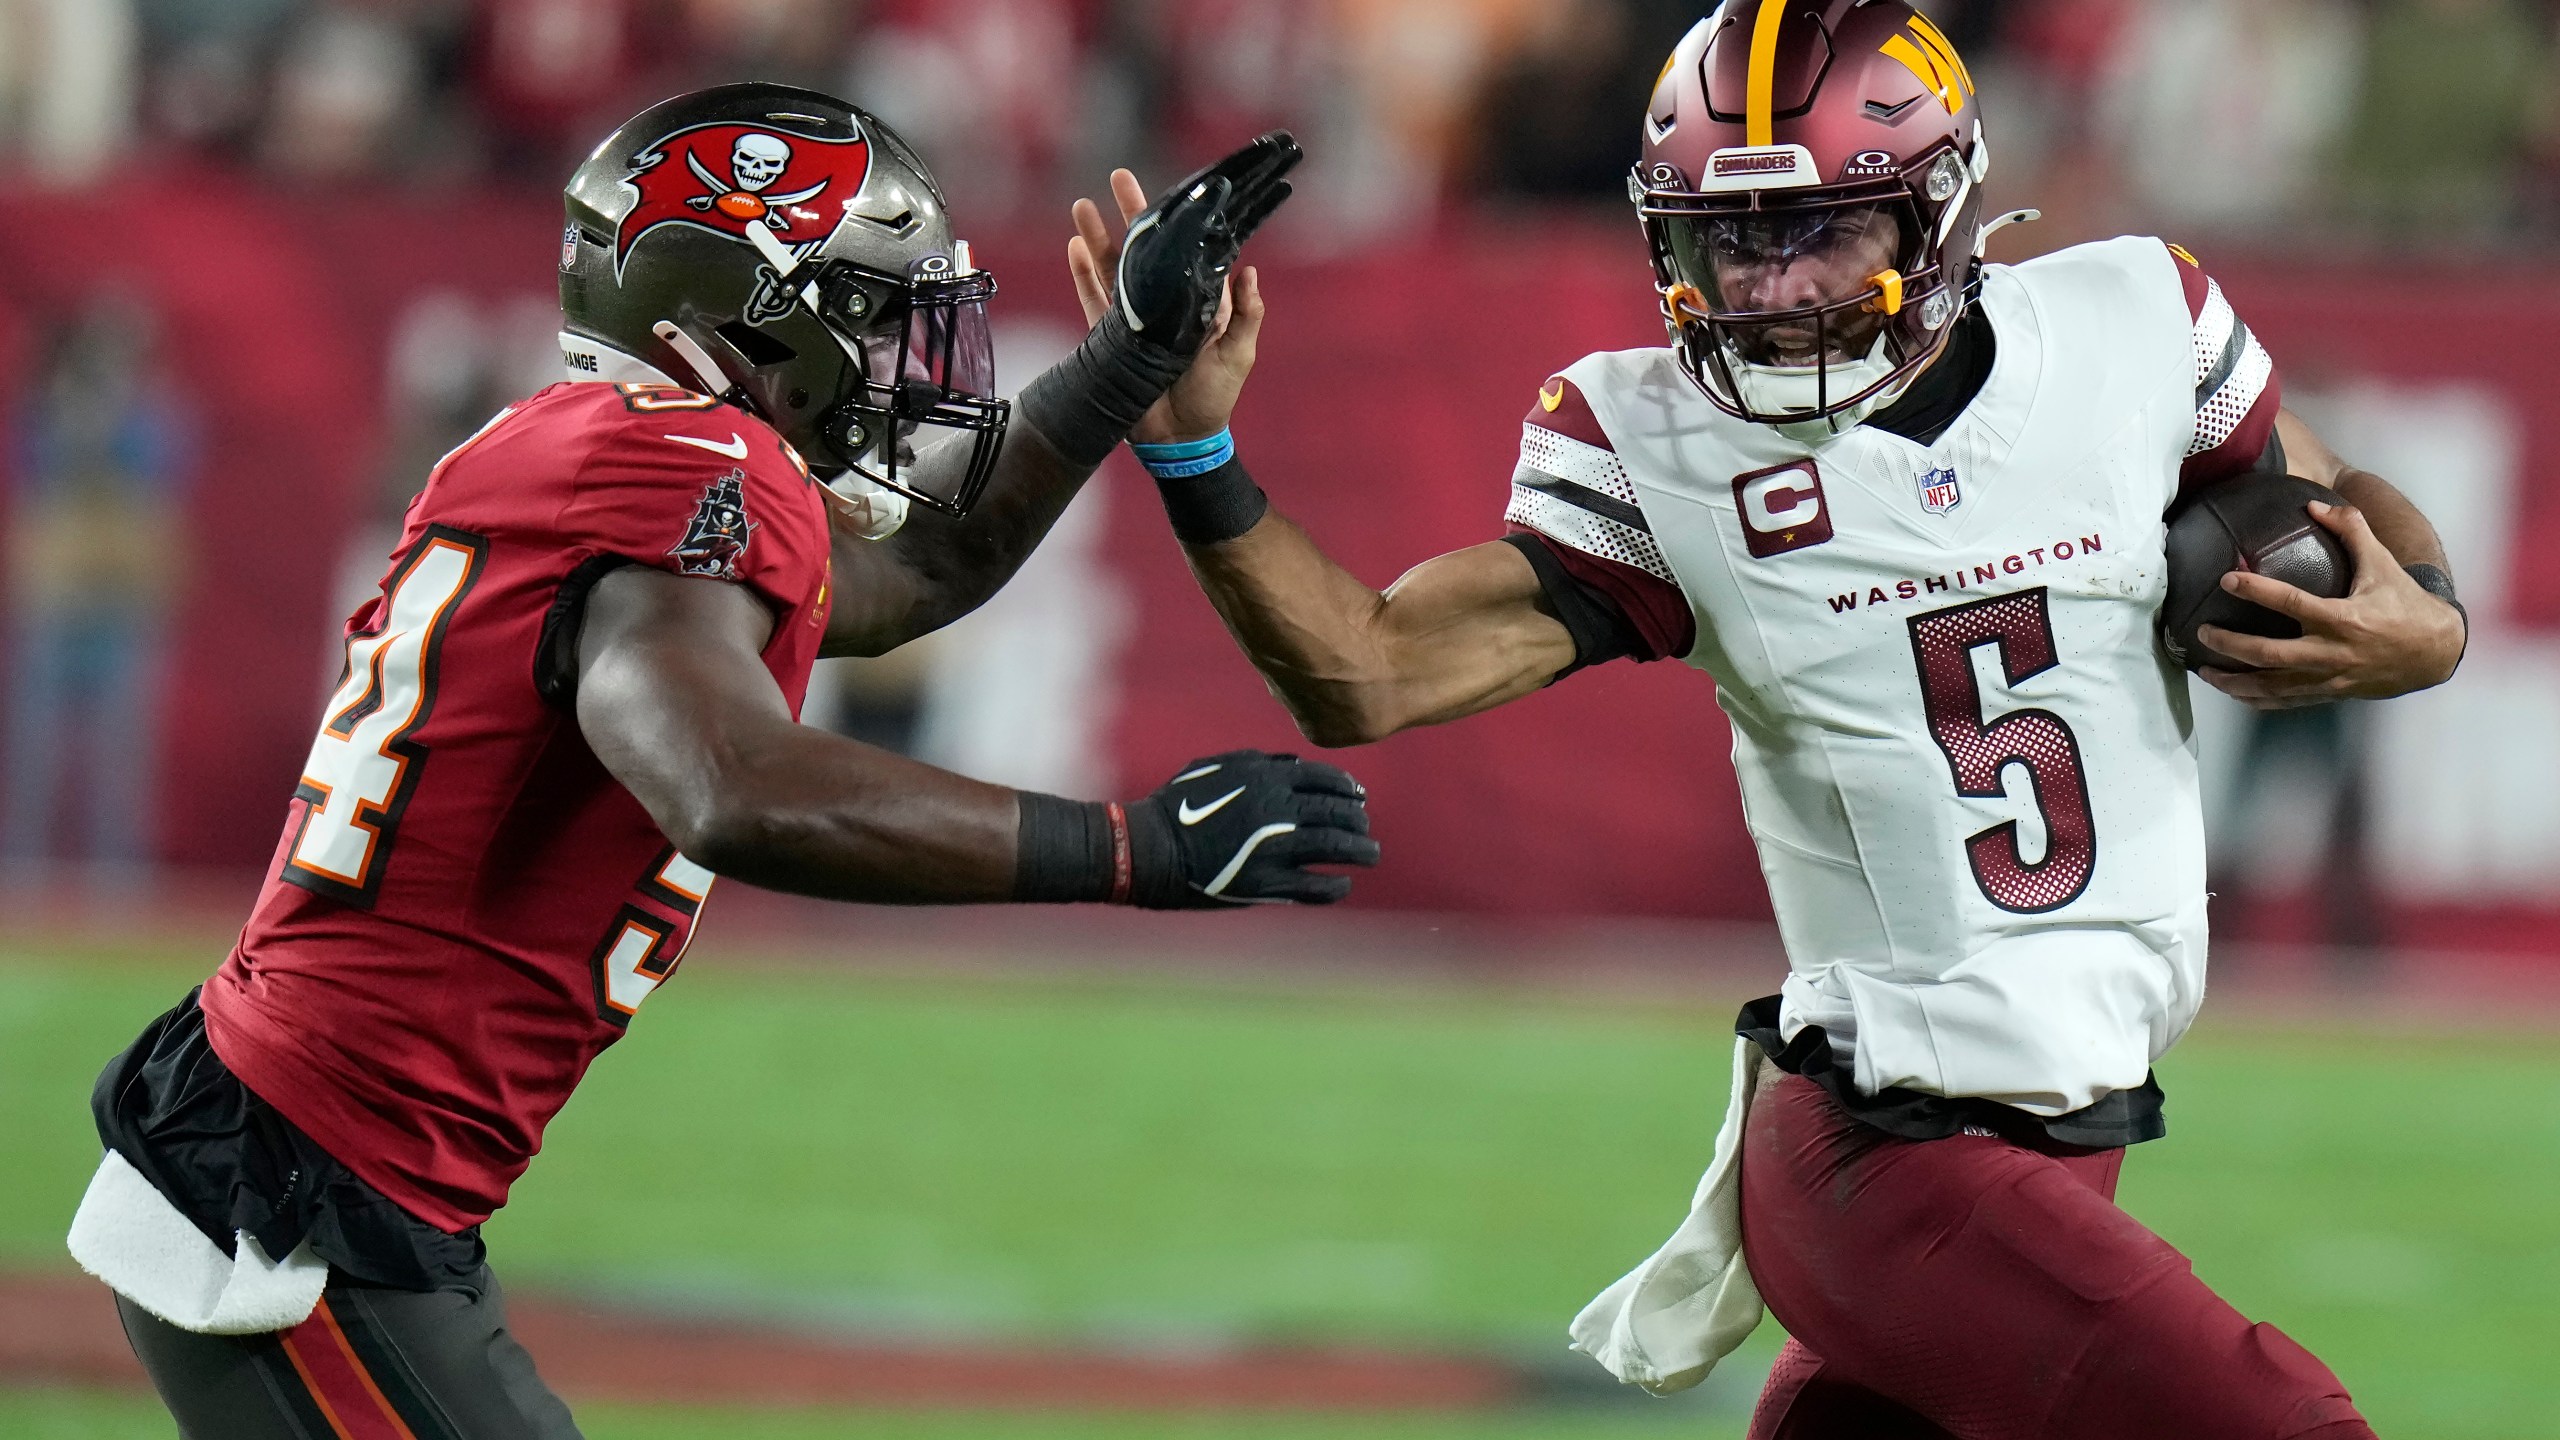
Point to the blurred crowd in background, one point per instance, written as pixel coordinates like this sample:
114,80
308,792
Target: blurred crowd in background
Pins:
2330,121
2327,142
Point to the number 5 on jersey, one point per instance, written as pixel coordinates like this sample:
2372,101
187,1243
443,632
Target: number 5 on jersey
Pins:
363,766
641,949
1979,752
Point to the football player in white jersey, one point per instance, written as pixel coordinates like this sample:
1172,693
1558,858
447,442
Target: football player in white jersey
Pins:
1907,509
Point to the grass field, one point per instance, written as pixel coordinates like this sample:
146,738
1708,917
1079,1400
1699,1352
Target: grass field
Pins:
1136,1163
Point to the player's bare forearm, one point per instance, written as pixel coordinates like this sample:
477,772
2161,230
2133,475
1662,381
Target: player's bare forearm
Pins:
2396,522
2388,636
674,699
1459,634
940,567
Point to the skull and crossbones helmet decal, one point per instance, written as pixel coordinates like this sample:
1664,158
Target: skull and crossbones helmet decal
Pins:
785,251
757,160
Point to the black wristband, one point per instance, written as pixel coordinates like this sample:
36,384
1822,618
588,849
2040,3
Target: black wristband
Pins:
1155,861
1068,851
2435,582
1085,405
1215,507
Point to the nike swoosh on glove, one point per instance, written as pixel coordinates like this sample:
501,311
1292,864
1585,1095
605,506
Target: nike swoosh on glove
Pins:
1244,828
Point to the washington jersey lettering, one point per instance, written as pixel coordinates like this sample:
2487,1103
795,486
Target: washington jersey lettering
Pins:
466,907
1968,770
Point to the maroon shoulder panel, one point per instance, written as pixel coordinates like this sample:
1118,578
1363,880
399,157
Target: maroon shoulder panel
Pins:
1655,607
2192,278
1562,409
2239,453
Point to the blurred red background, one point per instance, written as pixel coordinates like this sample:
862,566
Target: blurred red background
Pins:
278,254
1384,417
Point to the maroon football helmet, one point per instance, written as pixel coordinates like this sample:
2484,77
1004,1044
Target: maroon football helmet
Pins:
1789,134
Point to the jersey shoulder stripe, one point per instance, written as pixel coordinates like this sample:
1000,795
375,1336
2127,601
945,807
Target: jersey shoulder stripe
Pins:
2232,369
1571,487
2238,392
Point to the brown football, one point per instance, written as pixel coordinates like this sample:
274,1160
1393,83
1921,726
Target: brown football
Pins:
2259,523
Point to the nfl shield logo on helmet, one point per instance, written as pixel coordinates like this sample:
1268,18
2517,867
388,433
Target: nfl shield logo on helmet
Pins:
1939,492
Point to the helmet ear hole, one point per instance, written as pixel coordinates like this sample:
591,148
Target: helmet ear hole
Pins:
755,347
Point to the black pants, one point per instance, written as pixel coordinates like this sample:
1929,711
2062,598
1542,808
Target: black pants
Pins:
370,1362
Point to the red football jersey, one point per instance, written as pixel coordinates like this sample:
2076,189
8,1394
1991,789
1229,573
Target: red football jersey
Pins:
466,907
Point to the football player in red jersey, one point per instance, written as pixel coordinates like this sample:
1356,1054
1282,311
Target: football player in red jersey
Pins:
573,705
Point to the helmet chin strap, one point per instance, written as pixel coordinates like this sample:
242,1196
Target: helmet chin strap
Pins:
690,351
784,263
1982,244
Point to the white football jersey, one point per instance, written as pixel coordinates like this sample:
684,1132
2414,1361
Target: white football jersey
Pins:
1966,762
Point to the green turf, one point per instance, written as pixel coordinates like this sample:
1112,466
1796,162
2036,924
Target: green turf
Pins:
1071,1161
1135,1162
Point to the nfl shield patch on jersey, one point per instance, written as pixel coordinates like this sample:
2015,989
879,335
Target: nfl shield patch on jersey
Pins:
1939,492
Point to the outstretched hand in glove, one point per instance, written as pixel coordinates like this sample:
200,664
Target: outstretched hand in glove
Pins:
1169,277
1244,828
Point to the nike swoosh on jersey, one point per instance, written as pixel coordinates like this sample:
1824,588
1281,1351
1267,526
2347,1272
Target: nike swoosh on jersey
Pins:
736,449
1188,816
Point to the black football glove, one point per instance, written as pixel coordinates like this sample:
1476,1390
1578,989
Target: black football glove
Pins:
1174,263
1242,828
1165,293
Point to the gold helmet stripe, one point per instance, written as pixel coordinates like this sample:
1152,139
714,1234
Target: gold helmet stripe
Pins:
1934,60
1761,101
1936,78
1939,45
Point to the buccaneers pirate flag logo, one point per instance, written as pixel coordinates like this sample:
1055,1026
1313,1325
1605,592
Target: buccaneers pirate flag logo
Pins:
717,539
722,177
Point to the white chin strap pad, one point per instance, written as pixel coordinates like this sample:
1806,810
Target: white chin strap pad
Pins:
878,511
1778,390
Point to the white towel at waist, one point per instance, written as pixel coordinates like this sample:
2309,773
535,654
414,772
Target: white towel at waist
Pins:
129,1235
1667,1323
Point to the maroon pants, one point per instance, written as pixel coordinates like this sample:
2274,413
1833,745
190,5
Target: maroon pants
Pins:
1979,1288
